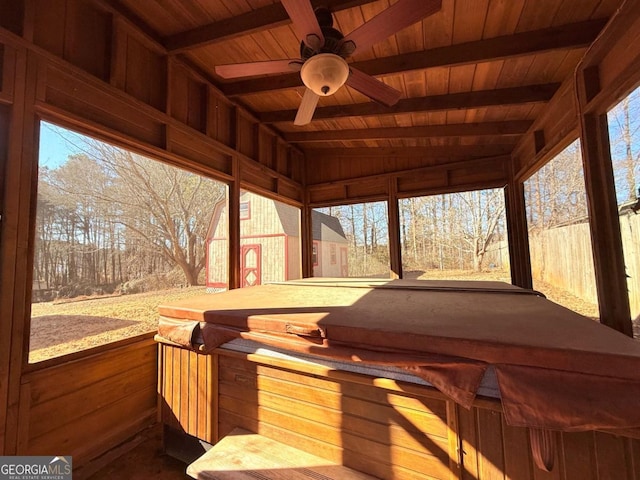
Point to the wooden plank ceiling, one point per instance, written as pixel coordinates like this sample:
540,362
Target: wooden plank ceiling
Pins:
473,75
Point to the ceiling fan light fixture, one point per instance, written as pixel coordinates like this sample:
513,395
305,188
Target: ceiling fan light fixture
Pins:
324,73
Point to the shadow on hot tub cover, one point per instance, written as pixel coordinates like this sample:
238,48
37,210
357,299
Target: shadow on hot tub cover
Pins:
555,369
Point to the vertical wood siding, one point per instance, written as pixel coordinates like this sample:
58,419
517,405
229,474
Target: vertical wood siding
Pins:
385,428
85,407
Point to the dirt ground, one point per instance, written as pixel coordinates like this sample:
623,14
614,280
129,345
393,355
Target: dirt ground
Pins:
61,328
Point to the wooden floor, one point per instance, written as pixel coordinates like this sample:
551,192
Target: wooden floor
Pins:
145,461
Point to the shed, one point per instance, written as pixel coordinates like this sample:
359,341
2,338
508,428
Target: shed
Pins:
270,243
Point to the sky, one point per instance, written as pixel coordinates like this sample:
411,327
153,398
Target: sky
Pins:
56,144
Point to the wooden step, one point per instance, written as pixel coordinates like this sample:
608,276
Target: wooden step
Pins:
245,455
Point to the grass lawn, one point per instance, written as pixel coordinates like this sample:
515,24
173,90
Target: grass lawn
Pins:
58,328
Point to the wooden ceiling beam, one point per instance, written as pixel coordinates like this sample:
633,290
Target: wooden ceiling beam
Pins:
446,151
576,35
428,131
454,101
263,18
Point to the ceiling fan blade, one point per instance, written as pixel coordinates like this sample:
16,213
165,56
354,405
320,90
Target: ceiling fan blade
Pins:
236,70
373,88
304,20
398,16
306,108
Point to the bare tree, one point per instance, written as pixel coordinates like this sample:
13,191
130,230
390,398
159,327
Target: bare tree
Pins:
167,208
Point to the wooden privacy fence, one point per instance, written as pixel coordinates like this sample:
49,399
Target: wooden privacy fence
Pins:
562,257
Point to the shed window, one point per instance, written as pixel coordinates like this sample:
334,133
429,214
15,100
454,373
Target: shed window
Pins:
245,210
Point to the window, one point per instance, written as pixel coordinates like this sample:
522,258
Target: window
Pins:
559,238
112,241
455,236
362,231
314,254
245,210
624,133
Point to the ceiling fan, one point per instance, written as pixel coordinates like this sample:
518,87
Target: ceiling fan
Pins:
323,50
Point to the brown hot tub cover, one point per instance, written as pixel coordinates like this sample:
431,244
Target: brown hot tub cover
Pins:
555,369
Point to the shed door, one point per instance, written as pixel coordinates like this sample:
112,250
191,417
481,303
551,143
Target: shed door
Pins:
251,260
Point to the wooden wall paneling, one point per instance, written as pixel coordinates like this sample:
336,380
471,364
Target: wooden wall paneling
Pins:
281,155
325,195
95,103
616,58
178,91
11,15
145,74
559,126
186,367
197,105
259,178
578,455
189,98
297,164
439,178
455,449
467,431
389,434
87,38
220,119
45,416
265,148
3,80
422,181
169,363
370,189
88,406
5,276
614,456
495,175
253,178
517,456
489,446
118,57
199,148
48,20
246,135
290,191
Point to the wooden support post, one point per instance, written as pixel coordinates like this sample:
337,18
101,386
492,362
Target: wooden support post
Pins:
306,231
519,255
234,227
608,257
395,253
16,245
